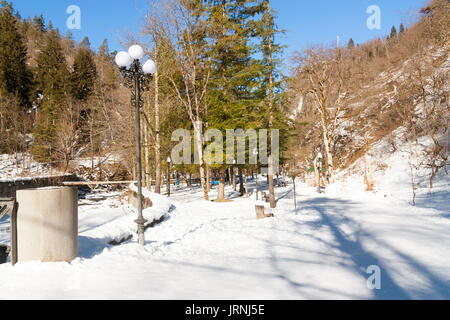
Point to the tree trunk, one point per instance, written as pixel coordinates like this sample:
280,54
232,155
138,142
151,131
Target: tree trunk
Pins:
245,183
233,178
208,178
368,176
295,193
199,144
241,182
221,194
327,143
273,203
146,156
317,175
158,173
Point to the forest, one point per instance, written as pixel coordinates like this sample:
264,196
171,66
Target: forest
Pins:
219,66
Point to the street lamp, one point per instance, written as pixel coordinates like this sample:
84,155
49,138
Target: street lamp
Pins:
169,161
137,77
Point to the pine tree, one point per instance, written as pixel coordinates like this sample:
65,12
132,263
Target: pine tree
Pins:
393,34
84,74
85,42
69,35
50,26
402,28
351,44
15,78
39,23
51,90
271,88
232,96
107,68
103,50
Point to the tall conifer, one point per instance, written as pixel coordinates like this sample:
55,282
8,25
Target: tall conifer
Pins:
51,91
15,78
84,74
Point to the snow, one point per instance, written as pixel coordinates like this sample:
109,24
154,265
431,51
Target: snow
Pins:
116,223
208,250
23,167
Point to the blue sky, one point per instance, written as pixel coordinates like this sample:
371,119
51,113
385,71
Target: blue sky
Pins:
307,22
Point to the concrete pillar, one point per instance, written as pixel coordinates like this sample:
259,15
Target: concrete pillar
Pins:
47,224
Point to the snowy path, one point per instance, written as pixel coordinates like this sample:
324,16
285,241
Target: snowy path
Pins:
220,251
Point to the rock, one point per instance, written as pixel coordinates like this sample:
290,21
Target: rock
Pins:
133,200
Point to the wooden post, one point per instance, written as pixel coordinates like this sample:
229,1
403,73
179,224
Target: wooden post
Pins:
295,194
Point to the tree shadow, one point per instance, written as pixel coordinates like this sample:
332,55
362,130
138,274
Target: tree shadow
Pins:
331,213
91,247
284,195
359,258
438,200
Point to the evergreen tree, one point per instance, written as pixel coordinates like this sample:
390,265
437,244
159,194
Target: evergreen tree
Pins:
85,42
15,78
235,70
82,79
271,88
230,95
103,50
51,91
351,44
39,23
393,33
402,28
50,26
107,69
69,35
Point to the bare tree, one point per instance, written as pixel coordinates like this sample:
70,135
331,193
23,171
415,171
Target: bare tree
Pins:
190,72
326,75
68,134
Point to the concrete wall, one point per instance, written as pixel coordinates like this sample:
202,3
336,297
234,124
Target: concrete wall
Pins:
47,224
8,188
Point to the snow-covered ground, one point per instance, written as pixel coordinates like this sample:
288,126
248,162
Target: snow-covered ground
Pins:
208,250
205,250
22,166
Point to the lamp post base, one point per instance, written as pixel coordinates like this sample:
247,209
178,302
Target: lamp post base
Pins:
141,230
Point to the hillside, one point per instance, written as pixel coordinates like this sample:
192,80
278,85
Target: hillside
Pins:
392,92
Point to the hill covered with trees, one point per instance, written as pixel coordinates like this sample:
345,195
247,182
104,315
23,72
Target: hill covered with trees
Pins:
346,100
219,67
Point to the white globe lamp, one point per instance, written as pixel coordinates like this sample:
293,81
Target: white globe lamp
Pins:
149,67
136,52
123,59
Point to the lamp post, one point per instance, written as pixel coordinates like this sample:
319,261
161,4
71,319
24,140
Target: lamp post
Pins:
169,162
137,77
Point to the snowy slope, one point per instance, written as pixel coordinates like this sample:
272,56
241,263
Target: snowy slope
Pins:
22,166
